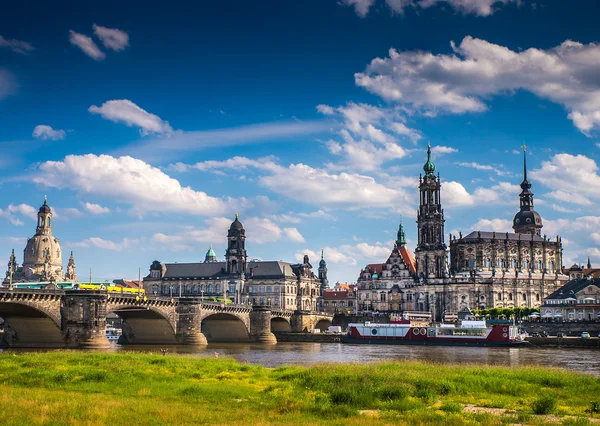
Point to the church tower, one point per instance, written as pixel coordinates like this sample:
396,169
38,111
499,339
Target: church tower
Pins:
211,256
235,256
527,220
323,273
431,250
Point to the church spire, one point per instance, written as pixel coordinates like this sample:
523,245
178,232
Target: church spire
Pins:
527,220
401,237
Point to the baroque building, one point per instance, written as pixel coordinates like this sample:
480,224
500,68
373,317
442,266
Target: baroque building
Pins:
486,269
280,284
42,256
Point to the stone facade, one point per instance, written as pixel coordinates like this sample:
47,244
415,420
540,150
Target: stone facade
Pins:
278,284
486,269
578,300
42,256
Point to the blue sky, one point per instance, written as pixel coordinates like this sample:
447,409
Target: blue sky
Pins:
149,125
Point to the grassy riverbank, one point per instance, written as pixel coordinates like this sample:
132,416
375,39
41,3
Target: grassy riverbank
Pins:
132,388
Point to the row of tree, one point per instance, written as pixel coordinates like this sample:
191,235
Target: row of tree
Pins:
506,313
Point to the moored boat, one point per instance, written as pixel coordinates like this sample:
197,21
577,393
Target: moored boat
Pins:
466,333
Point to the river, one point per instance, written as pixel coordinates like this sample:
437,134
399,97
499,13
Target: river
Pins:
581,360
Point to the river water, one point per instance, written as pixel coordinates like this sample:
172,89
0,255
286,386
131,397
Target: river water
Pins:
582,360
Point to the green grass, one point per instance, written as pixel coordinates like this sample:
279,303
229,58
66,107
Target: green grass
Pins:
82,388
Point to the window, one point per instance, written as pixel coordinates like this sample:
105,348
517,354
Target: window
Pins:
525,296
510,296
218,288
188,289
195,289
382,297
268,289
262,289
499,296
166,290
232,288
210,288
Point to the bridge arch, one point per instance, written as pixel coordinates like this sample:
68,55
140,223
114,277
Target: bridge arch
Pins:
145,325
323,324
225,327
280,324
31,323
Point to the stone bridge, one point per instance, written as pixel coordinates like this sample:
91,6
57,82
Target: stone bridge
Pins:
77,319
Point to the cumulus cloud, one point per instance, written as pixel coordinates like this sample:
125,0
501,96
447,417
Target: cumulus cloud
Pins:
128,180
370,135
87,45
454,194
332,255
360,6
348,254
101,243
21,209
96,208
326,189
467,7
112,38
293,235
572,177
478,69
485,167
497,225
125,111
17,46
45,132
441,150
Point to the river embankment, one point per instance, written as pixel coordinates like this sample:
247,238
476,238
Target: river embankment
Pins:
66,387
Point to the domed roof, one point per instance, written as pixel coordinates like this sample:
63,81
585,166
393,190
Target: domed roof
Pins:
374,276
210,252
429,167
527,217
236,224
41,245
45,207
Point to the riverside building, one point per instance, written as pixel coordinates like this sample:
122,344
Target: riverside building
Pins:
279,284
485,270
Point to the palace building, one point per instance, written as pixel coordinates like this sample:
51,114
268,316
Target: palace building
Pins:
281,284
486,269
42,256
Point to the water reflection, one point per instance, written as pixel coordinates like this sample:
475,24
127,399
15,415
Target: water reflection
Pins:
583,360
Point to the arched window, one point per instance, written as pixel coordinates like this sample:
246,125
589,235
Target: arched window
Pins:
499,295
540,265
486,263
218,288
188,289
195,289
202,288
537,297
174,290
510,296
166,290
210,288
525,296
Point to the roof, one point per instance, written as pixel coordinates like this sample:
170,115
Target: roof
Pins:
335,295
270,269
511,236
196,270
573,287
375,268
127,283
409,260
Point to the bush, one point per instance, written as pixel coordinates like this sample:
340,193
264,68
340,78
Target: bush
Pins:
545,404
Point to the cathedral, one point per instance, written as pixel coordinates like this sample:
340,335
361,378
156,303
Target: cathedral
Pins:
42,257
486,269
280,284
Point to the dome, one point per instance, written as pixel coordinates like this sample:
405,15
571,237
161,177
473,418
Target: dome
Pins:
429,167
45,208
38,249
236,224
375,276
527,218
210,252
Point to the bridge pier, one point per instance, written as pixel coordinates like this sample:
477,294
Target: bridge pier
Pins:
189,325
260,325
83,317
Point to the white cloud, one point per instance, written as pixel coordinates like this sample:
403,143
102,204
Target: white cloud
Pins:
364,145
17,46
478,69
8,83
96,208
125,111
467,7
127,180
569,197
293,235
332,255
360,6
87,45
112,38
326,189
485,167
44,132
441,150
498,225
455,194
572,177
126,243
23,209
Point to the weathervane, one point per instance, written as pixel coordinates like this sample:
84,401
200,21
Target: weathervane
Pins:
524,148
